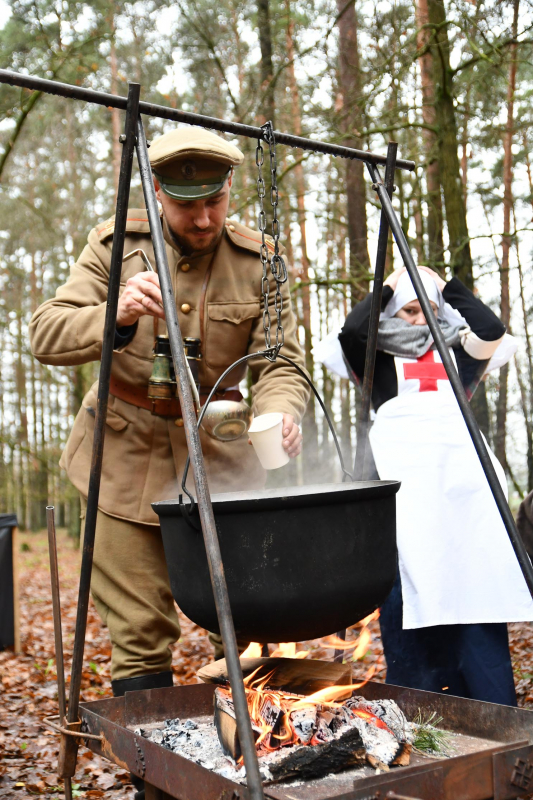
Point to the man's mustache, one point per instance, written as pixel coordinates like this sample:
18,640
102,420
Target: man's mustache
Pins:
194,231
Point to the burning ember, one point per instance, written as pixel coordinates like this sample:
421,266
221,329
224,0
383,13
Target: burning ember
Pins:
324,732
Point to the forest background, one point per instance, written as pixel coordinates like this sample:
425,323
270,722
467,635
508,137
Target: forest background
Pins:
450,80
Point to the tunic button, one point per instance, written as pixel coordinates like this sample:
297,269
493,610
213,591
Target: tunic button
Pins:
185,308
179,422
231,227
185,267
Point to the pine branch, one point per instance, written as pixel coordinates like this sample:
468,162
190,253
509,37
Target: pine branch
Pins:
216,58
34,97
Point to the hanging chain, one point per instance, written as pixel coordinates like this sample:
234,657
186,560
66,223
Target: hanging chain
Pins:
277,263
263,252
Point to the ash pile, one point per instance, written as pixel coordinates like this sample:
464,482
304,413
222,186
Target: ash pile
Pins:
297,737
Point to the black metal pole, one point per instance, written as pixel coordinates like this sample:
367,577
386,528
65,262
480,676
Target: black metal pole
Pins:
363,422
362,448
457,386
58,633
153,110
207,519
56,611
132,112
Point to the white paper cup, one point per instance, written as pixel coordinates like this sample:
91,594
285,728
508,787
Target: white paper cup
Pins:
266,433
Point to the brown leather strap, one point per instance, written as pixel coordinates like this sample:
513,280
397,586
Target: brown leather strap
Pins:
203,293
138,396
135,395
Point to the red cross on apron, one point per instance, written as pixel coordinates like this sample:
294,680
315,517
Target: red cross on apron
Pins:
427,371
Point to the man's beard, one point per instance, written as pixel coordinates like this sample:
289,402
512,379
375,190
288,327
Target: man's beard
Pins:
187,248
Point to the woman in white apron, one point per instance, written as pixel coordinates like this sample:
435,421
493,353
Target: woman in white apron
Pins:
444,624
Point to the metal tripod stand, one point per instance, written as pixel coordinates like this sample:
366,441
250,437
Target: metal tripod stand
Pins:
133,140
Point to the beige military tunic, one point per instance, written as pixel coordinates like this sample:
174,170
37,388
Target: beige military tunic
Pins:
144,454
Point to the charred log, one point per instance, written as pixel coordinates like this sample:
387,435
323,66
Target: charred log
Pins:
305,740
321,759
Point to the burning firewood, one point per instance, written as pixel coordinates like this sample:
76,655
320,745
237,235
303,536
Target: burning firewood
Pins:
313,762
226,726
305,724
291,675
304,737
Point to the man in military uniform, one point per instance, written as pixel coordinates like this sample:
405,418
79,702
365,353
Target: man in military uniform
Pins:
216,276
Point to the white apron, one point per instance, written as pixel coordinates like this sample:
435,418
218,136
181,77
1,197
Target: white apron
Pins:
457,564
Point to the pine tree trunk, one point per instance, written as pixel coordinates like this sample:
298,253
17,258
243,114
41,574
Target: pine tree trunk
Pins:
505,309
434,201
299,180
419,227
450,171
352,119
24,495
480,406
267,109
526,393
464,154
115,115
528,168
310,430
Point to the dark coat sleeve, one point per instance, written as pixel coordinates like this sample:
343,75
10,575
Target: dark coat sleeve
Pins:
483,322
353,339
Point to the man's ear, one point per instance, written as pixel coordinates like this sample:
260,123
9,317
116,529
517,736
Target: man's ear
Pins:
230,179
157,188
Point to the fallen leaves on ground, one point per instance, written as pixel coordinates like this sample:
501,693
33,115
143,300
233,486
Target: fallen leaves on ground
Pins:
521,646
29,692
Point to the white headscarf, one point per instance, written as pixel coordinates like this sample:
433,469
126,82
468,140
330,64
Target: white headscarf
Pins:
405,293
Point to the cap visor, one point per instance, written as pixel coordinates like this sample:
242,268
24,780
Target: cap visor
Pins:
191,192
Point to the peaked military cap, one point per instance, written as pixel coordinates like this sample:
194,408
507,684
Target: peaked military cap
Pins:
192,163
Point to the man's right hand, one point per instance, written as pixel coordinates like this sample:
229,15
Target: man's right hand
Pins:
141,296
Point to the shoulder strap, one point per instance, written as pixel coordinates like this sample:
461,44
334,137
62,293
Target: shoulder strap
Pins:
203,295
247,238
137,222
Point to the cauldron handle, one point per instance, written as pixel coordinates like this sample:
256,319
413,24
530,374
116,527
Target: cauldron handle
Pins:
271,355
188,510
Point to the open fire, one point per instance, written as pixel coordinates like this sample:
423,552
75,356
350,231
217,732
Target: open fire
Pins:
308,721
328,730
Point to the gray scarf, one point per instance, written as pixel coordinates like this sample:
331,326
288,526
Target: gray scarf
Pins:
397,337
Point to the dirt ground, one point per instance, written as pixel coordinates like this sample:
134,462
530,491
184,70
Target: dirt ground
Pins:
28,751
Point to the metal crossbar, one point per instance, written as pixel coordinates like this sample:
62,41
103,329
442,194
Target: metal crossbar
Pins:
164,112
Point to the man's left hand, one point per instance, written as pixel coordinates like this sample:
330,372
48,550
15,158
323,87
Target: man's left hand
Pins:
292,438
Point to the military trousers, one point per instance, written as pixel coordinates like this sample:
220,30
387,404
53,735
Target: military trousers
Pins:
131,591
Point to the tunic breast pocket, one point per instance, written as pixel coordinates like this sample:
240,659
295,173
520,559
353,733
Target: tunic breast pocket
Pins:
228,331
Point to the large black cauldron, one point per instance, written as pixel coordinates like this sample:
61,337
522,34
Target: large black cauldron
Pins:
300,563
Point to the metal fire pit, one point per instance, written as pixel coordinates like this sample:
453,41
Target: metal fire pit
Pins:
300,562
497,766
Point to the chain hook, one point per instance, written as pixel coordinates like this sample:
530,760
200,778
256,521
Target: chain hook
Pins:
276,262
